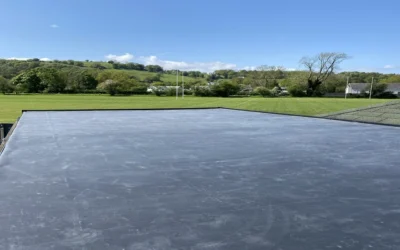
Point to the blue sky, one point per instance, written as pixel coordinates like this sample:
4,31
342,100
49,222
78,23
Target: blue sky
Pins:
205,35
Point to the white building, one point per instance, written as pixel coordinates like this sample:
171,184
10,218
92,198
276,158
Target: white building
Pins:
358,88
394,88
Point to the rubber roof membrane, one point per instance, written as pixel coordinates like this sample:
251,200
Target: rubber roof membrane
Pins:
198,179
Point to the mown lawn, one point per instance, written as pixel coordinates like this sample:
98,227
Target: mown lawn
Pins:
11,105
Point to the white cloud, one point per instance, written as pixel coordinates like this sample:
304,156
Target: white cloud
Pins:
122,58
180,65
250,68
45,59
187,66
54,26
18,58
389,66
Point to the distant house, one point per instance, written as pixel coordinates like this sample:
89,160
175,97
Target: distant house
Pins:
358,88
284,90
394,88
151,89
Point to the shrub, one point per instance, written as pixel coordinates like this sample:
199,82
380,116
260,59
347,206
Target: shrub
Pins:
317,93
159,91
377,89
154,78
386,95
202,91
188,92
263,91
110,87
276,91
136,88
225,88
297,91
172,91
283,93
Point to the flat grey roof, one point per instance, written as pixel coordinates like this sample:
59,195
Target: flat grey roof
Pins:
198,179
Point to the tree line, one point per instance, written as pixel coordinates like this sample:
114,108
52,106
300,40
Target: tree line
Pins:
318,76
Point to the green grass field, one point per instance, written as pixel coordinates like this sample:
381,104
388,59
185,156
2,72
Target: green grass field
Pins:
11,105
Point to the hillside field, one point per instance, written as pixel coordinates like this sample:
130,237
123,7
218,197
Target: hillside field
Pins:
11,105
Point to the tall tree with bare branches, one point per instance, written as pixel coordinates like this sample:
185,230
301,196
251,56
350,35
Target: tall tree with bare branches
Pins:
320,67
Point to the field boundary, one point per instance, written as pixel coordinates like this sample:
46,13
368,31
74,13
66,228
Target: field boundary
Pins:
359,109
127,109
326,117
315,117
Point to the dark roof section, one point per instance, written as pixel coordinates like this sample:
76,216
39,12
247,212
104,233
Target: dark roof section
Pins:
393,87
197,179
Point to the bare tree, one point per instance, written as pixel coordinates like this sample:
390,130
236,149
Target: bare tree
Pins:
320,67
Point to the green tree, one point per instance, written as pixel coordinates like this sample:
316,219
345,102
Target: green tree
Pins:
153,78
97,65
200,90
110,87
122,87
81,81
391,79
377,89
225,88
154,68
266,76
53,80
263,91
28,82
5,86
115,75
298,90
40,80
87,81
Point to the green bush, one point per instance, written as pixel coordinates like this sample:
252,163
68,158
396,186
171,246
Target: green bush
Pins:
154,78
297,91
159,91
172,91
123,87
386,95
202,91
283,94
275,91
263,91
225,88
110,87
